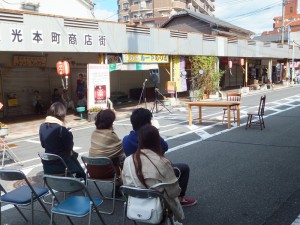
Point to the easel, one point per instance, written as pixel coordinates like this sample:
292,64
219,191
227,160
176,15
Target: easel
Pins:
8,152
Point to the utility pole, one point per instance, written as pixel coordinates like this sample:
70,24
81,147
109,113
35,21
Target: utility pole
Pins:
283,28
293,61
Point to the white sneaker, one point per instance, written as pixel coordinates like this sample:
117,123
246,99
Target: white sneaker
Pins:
177,223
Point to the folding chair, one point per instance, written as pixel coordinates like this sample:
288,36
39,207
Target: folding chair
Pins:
102,161
259,114
56,158
146,193
74,205
236,97
21,196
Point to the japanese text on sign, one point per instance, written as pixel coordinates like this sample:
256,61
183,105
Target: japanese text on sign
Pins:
38,37
30,61
144,58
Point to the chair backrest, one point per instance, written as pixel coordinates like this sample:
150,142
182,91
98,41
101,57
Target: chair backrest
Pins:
98,161
11,175
140,192
63,184
54,157
261,108
234,96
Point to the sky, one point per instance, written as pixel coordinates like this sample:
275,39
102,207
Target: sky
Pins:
253,15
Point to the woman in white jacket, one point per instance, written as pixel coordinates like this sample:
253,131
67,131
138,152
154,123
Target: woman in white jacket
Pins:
149,167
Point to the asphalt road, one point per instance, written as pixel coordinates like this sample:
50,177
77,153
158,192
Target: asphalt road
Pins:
238,176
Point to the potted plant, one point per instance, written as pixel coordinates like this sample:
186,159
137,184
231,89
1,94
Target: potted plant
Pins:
92,112
205,75
3,129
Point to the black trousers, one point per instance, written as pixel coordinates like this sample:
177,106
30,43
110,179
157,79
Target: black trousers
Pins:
184,176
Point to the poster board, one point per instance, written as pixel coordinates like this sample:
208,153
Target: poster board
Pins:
98,83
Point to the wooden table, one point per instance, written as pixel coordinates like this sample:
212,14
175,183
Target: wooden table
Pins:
224,104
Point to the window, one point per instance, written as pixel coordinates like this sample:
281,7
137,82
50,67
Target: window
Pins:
148,2
126,18
136,3
149,15
125,5
291,9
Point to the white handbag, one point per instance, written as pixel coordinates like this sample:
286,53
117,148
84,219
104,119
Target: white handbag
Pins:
147,210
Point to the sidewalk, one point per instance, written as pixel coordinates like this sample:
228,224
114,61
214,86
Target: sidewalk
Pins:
26,126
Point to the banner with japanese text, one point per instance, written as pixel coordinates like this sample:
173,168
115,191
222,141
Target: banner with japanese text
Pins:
98,82
178,68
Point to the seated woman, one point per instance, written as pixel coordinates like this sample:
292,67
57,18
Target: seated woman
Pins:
106,143
149,167
57,139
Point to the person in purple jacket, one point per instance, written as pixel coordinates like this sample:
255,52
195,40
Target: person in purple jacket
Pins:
138,119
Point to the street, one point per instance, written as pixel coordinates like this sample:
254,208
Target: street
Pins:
238,176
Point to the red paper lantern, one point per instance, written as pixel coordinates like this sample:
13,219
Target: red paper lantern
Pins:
230,64
242,61
67,67
63,68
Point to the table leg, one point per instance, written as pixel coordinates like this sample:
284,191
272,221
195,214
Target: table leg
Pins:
190,115
200,114
228,117
238,115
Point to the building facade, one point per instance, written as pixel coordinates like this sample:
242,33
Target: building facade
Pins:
285,26
155,12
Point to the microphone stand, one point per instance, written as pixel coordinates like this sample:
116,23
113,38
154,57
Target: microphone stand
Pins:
143,93
156,101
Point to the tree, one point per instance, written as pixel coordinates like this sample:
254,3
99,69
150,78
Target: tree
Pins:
205,75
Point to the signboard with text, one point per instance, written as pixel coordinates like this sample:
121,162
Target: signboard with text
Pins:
98,82
144,58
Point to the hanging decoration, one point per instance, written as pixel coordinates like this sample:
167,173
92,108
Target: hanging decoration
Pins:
242,63
63,70
230,66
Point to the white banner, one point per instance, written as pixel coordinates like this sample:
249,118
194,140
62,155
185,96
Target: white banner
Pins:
98,82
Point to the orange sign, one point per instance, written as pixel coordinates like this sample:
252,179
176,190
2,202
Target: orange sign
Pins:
170,87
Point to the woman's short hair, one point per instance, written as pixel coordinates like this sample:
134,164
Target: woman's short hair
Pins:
105,119
57,110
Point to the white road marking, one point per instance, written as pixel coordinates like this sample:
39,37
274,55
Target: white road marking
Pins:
33,141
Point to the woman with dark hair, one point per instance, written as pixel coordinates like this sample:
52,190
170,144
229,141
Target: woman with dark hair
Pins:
57,139
106,143
148,166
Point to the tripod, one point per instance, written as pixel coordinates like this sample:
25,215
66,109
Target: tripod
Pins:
156,102
143,94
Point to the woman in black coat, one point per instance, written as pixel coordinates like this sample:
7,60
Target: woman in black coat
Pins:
57,139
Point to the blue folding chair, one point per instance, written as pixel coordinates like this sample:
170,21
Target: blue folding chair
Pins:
73,205
21,196
102,161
